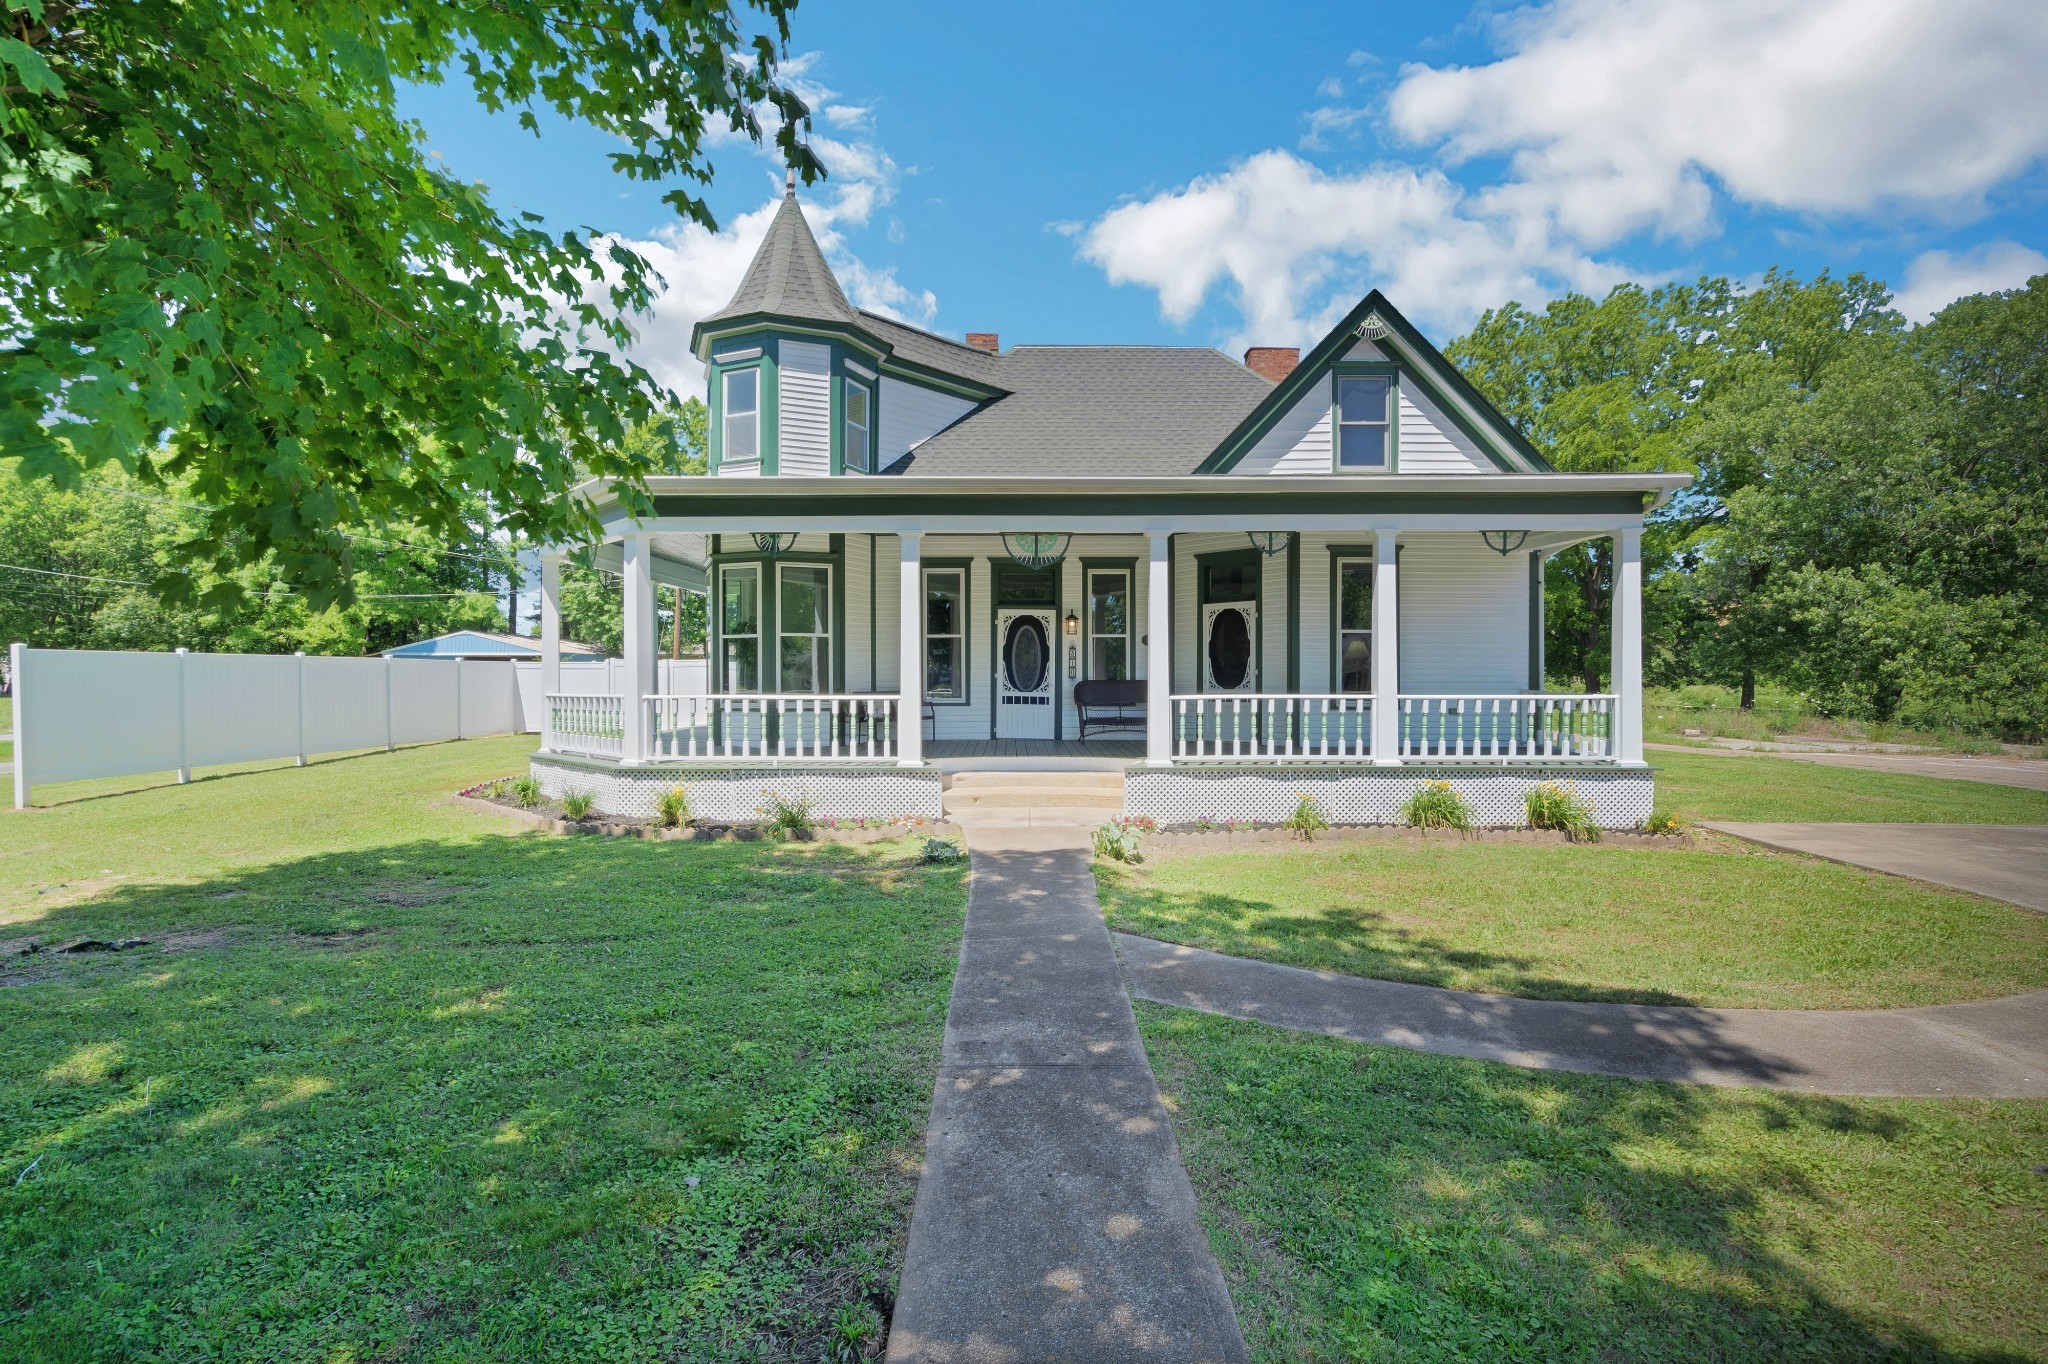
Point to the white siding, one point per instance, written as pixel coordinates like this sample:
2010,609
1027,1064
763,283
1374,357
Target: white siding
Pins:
1464,616
911,413
1430,443
804,412
1299,442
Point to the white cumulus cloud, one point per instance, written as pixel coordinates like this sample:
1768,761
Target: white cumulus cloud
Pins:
1294,247
701,270
1622,115
1602,121
1936,279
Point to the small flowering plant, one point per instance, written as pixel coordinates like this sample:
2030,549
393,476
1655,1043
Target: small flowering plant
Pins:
787,814
1307,819
1211,823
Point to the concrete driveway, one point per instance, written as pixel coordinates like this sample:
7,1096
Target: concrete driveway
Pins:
2031,773
2004,861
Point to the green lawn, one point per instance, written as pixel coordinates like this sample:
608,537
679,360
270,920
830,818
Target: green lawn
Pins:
1768,790
390,1082
1370,1203
1738,929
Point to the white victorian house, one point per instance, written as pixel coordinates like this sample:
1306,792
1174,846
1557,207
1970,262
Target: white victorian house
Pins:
1229,583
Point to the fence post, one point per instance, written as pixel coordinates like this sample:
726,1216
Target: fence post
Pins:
458,697
388,745
184,767
17,659
300,655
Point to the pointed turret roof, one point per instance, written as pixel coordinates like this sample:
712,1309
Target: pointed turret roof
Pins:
788,276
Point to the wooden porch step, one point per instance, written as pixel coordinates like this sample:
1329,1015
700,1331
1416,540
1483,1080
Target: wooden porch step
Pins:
1095,795
1026,797
1063,780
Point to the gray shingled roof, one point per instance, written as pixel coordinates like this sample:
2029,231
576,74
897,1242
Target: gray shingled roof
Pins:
1131,410
933,352
789,277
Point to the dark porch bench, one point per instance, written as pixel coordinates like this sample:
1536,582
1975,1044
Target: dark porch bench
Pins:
1109,705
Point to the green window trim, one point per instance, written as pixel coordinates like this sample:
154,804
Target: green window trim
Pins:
843,428
1341,555
1089,568
1365,369
1225,559
999,569
965,568
767,388
834,557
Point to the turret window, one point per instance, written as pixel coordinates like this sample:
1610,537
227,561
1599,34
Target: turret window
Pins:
857,422
742,409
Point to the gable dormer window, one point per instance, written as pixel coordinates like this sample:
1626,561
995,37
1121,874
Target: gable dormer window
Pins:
742,419
856,420
1365,426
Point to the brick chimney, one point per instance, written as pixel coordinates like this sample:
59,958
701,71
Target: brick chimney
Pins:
1271,362
984,341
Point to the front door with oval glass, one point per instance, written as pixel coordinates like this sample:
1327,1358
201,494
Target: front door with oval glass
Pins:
1025,667
1230,655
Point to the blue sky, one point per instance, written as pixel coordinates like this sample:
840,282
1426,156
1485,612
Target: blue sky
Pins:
1227,175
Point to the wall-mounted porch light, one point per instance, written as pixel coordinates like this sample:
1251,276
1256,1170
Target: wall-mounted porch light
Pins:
1073,624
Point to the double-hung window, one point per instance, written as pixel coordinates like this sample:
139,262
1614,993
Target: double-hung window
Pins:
739,626
803,610
856,422
1365,405
945,634
742,416
1109,625
1354,625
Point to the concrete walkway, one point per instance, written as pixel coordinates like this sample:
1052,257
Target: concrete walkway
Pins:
1996,1049
1054,1220
2004,861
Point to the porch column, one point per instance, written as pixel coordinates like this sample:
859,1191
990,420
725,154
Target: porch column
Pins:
910,653
1627,644
1159,652
550,625
1386,643
639,638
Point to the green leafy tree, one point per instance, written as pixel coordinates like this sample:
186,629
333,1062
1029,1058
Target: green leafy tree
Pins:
252,284
76,568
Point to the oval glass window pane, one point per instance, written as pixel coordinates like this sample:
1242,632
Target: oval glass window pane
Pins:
1025,655
1230,650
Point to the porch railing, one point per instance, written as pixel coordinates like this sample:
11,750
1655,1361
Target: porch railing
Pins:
1507,727
1305,727
590,724
807,726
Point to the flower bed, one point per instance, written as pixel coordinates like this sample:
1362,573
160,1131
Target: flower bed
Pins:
500,797
1228,833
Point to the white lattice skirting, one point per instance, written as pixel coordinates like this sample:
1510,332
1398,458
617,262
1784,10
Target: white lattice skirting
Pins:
1620,799
733,795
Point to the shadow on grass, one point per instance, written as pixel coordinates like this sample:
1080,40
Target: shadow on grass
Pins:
1374,1203
1347,938
514,1096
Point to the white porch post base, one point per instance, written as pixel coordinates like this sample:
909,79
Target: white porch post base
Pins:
1159,653
1386,659
1627,663
910,654
639,641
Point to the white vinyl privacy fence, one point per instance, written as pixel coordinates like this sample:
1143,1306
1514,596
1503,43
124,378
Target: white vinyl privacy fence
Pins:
673,677
90,713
